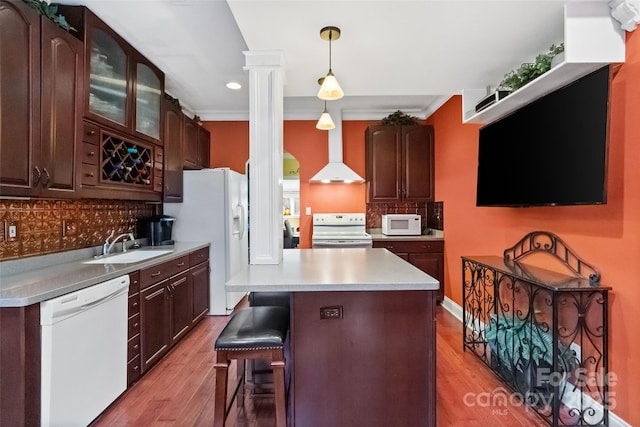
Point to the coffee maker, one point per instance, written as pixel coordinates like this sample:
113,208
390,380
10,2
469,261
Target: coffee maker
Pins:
159,230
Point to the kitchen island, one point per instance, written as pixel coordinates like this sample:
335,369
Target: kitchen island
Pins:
362,336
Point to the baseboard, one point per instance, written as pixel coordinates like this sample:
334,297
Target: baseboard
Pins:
453,308
614,420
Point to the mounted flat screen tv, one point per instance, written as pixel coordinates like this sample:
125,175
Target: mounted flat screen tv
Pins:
552,151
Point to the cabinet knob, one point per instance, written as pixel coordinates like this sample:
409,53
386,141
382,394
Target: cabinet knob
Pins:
135,304
36,180
91,132
180,264
47,177
90,174
390,246
92,153
156,274
135,325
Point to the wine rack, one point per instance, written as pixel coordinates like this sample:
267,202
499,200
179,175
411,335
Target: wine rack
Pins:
126,162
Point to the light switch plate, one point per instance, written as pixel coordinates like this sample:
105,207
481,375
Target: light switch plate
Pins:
308,210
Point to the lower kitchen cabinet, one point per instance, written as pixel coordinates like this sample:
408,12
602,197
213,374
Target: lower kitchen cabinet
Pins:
427,255
154,318
200,290
181,306
174,296
133,344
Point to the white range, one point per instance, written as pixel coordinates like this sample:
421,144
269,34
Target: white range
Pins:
345,230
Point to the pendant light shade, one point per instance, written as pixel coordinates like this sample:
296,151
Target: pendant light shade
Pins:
325,122
330,89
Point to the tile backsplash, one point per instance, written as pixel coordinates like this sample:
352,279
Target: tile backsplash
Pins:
431,213
46,226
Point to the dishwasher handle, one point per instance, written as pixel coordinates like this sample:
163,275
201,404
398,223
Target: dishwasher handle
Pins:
58,309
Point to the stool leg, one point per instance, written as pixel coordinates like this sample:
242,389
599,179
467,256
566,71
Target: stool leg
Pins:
277,364
220,400
241,378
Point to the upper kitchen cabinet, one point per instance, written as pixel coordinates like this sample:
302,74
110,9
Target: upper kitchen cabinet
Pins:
173,152
196,145
123,89
41,82
399,163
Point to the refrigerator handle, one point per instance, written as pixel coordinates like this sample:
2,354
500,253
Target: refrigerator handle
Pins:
242,221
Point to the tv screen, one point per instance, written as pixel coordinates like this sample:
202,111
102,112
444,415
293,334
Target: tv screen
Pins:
550,152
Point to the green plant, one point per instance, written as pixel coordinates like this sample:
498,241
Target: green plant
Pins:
528,71
173,101
398,119
516,342
51,12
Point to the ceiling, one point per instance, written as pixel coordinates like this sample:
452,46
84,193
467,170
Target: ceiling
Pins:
410,55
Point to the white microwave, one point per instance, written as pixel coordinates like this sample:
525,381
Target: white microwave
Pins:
401,225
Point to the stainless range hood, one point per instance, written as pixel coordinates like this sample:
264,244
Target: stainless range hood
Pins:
336,171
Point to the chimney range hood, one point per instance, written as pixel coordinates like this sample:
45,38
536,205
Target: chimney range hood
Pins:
336,171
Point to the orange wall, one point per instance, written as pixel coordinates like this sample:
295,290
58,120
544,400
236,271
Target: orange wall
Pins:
607,236
229,144
230,148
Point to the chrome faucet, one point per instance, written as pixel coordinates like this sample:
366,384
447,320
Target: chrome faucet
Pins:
108,245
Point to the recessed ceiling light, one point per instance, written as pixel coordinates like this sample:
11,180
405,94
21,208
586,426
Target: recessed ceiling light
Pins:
234,85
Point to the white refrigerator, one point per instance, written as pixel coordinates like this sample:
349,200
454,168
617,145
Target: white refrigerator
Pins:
214,209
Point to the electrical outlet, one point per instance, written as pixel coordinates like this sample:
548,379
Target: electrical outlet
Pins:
11,230
308,210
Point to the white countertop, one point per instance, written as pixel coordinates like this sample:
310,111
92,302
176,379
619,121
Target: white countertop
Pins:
333,269
40,284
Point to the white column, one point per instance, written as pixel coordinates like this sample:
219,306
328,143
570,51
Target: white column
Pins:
266,79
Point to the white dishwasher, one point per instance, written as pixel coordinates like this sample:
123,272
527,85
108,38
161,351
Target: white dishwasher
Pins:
84,352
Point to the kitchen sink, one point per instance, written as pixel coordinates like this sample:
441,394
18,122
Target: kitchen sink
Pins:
129,257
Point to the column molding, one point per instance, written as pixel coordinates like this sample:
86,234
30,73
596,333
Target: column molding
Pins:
266,112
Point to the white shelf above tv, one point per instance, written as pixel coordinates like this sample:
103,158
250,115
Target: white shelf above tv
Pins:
592,39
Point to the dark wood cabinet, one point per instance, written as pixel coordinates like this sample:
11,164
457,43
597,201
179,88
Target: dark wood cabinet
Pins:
204,147
123,89
399,163
154,321
133,344
41,83
181,301
173,152
190,144
427,255
372,365
173,297
200,289
197,142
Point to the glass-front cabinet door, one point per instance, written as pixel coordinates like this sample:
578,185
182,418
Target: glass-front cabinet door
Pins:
107,78
148,98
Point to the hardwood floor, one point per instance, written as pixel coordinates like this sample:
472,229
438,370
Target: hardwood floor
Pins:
179,390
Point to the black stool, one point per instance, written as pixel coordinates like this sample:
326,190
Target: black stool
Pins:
252,333
258,375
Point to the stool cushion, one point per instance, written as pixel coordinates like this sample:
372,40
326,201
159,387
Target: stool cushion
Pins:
269,298
255,328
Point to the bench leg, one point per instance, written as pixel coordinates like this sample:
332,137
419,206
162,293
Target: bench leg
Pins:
220,400
277,364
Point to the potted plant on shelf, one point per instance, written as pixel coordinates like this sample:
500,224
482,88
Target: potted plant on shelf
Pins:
399,119
529,71
519,77
50,11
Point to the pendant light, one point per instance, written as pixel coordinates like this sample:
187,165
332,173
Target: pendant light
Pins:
325,122
330,89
